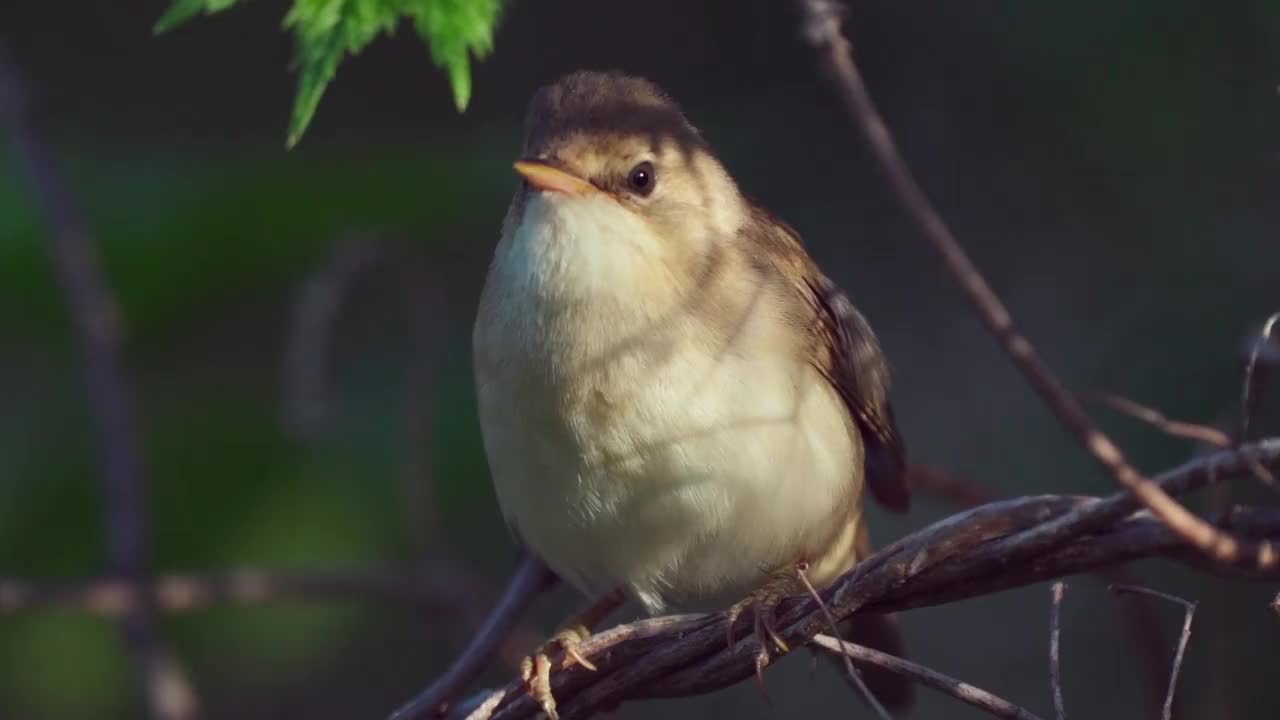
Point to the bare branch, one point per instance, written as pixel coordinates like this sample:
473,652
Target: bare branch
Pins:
169,695
1141,623
1055,660
1177,428
1189,614
948,561
1255,376
530,579
962,691
852,673
1189,431
822,20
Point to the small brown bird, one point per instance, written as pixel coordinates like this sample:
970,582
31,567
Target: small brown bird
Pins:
677,405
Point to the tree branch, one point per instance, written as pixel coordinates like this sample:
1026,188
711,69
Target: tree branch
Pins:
1255,373
1189,612
168,693
1142,623
948,561
822,20
962,691
1055,658
530,579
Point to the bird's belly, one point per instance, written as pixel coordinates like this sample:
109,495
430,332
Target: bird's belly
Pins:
683,481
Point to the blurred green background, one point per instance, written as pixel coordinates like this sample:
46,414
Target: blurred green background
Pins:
1112,166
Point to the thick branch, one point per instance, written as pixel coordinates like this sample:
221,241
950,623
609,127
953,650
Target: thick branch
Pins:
945,562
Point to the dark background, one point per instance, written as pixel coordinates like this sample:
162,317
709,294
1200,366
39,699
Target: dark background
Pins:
1112,167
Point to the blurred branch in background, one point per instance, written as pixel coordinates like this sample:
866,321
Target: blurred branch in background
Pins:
306,376
307,404
128,593
445,596
168,693
440,597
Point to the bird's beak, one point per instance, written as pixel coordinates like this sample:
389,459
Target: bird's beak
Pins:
544,176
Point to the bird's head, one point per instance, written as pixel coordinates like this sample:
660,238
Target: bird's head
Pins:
616,153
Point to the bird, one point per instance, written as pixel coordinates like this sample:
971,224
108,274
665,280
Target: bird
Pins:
677,406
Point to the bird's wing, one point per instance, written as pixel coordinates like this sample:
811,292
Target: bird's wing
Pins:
852,360
845,350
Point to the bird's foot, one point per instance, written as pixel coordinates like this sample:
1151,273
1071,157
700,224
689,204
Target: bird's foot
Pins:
535,670
763,602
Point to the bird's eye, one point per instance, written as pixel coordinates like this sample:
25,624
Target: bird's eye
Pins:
641,179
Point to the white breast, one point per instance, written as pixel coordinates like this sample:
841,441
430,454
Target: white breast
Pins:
631,447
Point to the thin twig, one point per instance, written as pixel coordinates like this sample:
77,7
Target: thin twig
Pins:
1181,429
1177,428
1141,622
854,676
962,691
822,20
1055,661
1255,377
1190,610
168,693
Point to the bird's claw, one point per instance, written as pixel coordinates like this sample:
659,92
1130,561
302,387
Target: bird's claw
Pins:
535,670
763,603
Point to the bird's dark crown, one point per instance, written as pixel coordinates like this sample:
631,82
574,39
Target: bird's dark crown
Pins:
596,103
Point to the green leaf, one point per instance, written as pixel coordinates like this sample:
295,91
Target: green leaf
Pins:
326,31
183,10
456,30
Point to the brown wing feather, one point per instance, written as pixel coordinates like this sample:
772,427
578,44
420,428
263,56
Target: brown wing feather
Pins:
847,352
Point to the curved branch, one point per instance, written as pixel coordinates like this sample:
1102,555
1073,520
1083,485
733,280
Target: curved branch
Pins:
822,27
